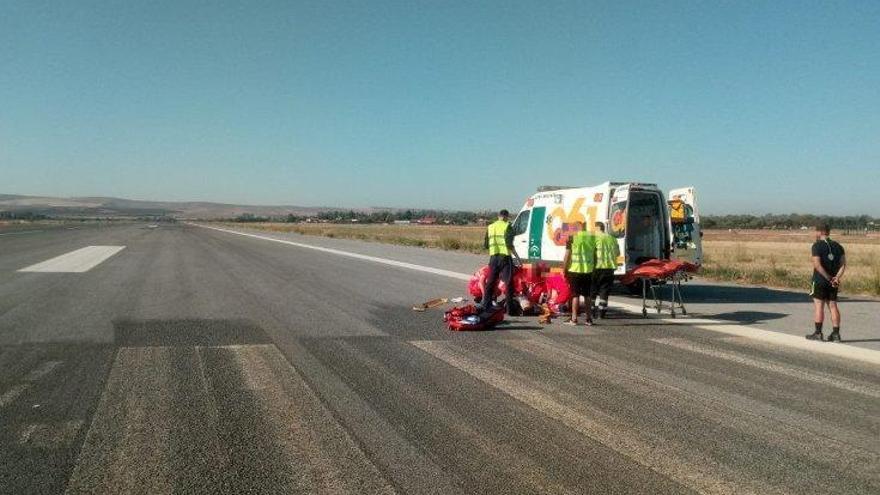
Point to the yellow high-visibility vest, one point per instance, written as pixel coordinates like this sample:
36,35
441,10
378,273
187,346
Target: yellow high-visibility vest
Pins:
583,253
607,251
497,238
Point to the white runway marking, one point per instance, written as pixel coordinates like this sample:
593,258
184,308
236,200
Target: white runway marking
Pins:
79,261
699,474
794,341
10,395
769,365
21,232
42,370
384,261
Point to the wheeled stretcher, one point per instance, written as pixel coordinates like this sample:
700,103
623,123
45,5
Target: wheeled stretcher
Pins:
654,276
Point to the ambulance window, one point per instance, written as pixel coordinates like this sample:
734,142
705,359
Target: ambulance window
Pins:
521,225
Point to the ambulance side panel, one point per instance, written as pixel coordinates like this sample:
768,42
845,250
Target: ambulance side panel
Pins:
549,218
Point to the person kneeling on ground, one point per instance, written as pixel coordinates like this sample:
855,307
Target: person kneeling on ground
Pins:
607,252
829,264
579,263
499,242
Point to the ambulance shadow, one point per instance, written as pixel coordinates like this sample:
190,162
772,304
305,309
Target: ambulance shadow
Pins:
748,317
696,293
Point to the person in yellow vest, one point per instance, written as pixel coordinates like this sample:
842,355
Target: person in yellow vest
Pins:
607,251
579,263
499,242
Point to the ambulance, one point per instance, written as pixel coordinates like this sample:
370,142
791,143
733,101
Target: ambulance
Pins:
647,223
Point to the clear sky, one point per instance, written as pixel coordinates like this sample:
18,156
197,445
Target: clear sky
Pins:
765,107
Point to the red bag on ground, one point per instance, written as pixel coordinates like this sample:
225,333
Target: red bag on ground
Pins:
468,318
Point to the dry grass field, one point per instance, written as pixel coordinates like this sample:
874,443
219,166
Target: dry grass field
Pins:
782,259
767,258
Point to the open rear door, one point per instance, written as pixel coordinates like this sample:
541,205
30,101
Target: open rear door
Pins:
687,237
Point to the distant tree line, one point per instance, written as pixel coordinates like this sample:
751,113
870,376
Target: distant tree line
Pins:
791,221
21,215
389,216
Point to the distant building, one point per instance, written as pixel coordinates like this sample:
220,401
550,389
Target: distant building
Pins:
426,221
402,222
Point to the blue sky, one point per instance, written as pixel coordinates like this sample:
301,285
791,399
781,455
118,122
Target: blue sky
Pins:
765,107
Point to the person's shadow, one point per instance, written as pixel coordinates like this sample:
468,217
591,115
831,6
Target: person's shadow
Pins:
748,317
695,292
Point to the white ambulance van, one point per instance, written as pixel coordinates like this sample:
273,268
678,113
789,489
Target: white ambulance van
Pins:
646,223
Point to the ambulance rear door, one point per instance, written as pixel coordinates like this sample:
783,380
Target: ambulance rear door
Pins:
617,217
684,217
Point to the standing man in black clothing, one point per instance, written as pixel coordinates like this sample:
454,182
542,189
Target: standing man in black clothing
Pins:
499,242
829,265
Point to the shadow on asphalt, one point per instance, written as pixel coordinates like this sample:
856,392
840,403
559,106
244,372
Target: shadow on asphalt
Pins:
748,317
695,293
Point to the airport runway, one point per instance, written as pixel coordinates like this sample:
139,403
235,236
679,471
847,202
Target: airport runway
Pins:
188,360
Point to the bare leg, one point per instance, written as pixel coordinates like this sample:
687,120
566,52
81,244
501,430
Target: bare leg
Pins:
819,313
835,313
575,302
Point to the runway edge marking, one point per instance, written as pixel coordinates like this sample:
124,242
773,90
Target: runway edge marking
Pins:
76,261
838,350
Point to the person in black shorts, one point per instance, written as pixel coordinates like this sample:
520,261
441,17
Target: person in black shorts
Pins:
829,265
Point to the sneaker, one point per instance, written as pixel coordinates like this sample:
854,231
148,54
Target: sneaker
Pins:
588,323
816,336
834,337
570,323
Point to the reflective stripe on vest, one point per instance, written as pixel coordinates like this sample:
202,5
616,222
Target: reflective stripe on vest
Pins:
606,252
583,253
497,238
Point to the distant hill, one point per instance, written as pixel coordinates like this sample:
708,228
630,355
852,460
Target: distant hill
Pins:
119,207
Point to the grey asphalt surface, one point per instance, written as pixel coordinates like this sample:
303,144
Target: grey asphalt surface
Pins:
197,361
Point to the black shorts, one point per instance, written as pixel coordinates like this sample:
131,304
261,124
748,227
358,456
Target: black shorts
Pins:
823,291
580,283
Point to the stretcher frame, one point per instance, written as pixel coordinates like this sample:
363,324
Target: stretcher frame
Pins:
654,285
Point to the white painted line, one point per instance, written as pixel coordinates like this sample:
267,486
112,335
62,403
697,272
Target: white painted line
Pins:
680,464
11,394
384,261
21,232
42,370
777,338
774,366
81,260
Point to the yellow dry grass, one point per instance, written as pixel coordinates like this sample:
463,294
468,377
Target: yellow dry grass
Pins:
787,264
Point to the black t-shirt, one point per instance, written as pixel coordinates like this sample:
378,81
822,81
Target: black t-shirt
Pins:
830,255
